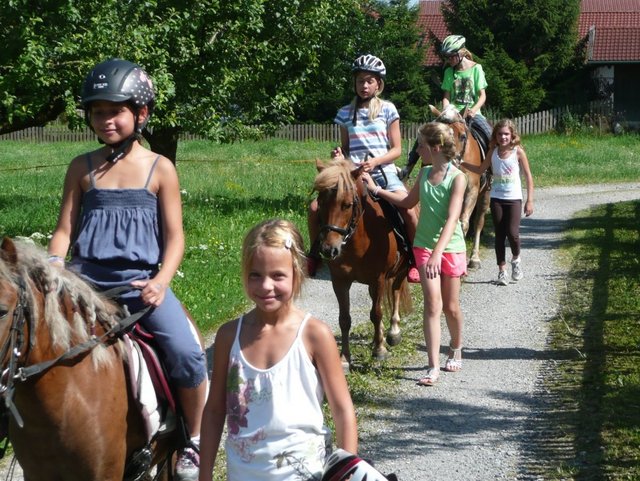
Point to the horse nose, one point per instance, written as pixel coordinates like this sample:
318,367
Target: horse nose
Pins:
330,251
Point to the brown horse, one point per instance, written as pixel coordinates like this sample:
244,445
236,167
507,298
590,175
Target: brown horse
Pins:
70,415
476,197
360,246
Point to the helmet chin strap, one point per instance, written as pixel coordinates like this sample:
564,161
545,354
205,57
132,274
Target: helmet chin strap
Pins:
119,150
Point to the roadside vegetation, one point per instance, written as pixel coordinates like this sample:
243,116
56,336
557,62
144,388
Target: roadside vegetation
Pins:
227,188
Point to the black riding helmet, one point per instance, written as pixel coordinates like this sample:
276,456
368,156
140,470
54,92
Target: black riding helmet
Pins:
117,80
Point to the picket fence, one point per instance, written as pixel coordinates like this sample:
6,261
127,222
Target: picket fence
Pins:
535,123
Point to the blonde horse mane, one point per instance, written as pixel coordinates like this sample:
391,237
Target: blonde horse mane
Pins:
53,282
336,175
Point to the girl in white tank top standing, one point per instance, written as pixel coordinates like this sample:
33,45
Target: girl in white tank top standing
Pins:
272,368
508,162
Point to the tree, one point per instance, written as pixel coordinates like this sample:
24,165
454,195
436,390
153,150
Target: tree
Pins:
219,67
526,46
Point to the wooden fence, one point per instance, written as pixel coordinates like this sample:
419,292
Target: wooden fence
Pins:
536,123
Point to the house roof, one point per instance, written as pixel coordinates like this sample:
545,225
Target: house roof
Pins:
613,27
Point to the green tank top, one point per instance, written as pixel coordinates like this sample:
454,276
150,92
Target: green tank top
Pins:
434,205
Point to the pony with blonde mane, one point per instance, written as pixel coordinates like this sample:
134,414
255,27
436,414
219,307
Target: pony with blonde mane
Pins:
359,245
70,413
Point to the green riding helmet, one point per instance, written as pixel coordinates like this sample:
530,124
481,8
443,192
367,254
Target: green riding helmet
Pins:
452,44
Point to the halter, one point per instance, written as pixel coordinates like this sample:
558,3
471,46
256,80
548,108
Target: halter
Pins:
356,212
459,155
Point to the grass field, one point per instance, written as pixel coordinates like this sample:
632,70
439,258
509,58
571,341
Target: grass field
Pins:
228,188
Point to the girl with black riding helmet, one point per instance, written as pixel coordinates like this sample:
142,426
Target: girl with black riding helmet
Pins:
370,137
121,222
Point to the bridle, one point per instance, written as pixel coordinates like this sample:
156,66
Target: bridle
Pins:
14,345
356,212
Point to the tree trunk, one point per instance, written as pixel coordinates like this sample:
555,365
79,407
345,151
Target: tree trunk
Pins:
164,141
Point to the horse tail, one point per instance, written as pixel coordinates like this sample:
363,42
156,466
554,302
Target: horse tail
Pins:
405,304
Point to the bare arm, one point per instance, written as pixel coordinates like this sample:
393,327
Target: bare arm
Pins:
395,148
399,198
482,98
524,166
70,208
215,410
479,169
325,355
446,96
170,205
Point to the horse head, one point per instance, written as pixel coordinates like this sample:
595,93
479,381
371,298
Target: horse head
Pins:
339,204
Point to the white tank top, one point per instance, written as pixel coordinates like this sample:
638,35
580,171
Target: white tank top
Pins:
275,425
506,183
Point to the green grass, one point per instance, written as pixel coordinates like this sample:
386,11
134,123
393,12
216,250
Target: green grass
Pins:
598,381
228,188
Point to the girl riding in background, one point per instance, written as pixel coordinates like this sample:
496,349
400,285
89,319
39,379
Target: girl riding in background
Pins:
463,86
370,137
121,220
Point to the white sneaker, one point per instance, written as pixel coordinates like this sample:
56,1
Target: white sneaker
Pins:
188,465
502,278
516,270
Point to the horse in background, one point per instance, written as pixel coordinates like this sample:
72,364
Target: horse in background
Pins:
71,415
359,245
477,195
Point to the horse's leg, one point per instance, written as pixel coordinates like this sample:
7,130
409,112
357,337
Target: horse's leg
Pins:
393,334
481,211
376,290
341,289
469,202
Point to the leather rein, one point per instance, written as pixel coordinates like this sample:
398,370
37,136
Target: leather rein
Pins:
14,346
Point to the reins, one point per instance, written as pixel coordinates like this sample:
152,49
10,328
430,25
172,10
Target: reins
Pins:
15,343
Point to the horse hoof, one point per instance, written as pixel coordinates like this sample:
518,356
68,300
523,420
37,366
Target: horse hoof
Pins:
394,339
380,354
473,264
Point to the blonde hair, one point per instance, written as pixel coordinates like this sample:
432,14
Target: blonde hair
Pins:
375,103
515,137
438,134
275,233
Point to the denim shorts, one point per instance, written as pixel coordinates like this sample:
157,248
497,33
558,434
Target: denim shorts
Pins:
394,183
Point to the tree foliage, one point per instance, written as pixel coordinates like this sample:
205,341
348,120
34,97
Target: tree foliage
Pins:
525,46
218,66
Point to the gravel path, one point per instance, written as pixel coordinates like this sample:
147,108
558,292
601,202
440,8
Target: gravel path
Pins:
481,423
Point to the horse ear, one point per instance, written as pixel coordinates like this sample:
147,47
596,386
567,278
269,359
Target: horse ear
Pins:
8,251
434,110
320,166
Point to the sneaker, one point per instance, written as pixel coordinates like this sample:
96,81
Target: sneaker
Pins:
413,275
188,465
516,270
313,264
502,278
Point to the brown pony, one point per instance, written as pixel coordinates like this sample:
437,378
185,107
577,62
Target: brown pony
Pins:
360,246
70,415
476,197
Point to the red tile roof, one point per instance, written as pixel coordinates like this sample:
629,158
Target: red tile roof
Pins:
615,25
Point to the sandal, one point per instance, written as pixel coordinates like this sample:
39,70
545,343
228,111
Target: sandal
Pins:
433,373
453,364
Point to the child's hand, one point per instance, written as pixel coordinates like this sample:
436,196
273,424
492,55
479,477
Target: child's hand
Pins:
528,208
152,292
368,181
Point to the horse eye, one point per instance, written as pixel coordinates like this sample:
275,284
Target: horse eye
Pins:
347,206
3,312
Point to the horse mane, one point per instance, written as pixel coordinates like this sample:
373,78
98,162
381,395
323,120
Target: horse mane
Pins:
336,175
63,291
